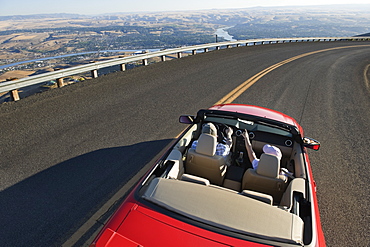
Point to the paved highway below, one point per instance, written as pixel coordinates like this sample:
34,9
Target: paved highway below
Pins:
66,152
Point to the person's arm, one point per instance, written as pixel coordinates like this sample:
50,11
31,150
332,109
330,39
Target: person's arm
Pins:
248,146
228,139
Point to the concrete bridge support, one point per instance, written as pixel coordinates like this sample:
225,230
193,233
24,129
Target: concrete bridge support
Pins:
14,95
123,67
94,73
60,82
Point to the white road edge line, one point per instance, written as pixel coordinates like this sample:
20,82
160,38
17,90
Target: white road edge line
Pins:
366,78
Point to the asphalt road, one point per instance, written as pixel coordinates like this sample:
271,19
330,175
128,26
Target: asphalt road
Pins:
65,152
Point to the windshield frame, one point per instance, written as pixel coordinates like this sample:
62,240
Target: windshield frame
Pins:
202,114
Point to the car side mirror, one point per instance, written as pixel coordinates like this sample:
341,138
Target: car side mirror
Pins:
186,119
311,143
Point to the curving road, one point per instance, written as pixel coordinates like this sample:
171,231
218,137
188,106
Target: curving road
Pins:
66,152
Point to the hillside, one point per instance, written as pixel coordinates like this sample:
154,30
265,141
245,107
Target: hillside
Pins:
36,36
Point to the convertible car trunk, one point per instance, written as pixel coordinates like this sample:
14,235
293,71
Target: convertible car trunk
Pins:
145,227
225,210
157,233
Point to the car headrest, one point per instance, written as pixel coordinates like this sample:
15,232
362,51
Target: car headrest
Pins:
206,144
209,128
269,166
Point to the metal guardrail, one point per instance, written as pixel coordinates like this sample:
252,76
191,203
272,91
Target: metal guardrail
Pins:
13,86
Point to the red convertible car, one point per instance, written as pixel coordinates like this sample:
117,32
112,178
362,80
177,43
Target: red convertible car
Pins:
193,196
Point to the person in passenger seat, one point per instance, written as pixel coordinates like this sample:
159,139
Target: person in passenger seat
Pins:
221,149
268,149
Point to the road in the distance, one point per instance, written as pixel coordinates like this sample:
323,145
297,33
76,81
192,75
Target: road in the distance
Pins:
65,152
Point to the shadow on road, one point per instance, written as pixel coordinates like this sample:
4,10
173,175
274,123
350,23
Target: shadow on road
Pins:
45,209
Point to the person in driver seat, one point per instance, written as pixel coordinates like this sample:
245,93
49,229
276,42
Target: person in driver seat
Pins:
221,148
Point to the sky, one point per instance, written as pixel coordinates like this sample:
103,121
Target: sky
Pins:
93,7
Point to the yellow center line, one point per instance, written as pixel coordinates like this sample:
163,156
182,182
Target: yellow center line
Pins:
230,97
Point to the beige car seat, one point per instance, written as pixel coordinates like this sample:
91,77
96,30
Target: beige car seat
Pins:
203,161
266,178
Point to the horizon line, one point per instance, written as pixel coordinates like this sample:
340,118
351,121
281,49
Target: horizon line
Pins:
188,10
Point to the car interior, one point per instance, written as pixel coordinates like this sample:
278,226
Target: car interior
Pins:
227,192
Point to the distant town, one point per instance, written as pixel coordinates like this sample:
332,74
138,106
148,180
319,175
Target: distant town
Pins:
32,37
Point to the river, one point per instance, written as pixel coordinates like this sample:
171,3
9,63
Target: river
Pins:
221,32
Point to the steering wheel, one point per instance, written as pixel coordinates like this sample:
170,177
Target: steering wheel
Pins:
221,135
